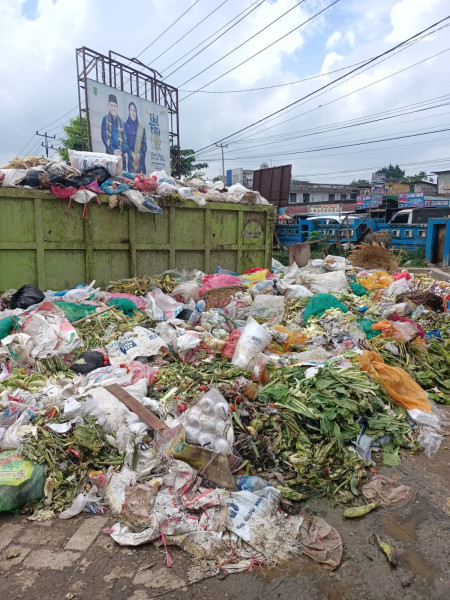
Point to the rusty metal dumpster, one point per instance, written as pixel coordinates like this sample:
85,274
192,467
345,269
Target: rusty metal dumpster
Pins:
44,243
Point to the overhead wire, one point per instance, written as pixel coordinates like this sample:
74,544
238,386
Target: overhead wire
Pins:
253,7
386,52
177,41
296,5
257,53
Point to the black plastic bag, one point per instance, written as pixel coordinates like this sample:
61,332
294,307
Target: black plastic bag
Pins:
98,174
26,296
87,362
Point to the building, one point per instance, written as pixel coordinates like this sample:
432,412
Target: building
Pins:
443,182
427,188
305,192
242,176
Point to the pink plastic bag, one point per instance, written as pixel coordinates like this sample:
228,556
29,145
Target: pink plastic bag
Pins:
211,282
138,301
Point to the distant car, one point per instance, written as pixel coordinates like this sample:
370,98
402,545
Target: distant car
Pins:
419,216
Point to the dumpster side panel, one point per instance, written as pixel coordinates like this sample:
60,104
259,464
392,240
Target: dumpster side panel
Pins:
45,243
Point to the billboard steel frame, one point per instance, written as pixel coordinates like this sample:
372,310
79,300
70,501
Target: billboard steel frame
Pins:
134,78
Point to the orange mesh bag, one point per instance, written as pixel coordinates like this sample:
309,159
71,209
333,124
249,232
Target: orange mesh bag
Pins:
396,382
294,340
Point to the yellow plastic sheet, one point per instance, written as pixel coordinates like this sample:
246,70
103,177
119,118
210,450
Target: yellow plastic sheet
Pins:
396,382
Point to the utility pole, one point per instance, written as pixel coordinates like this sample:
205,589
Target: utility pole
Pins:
45,144
222,146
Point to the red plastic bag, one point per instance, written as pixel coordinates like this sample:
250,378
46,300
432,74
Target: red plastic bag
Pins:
145,184
211,282
231,343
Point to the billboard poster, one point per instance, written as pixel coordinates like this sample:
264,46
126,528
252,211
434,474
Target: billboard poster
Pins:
325,208
369,201
411,200
132,127
379,178
436,202
378,189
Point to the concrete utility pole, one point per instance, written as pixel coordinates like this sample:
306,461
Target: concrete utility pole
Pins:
45,144
222,146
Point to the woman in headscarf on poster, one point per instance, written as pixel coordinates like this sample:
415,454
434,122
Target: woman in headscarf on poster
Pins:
136,141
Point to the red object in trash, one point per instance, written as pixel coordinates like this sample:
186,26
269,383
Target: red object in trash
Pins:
231,343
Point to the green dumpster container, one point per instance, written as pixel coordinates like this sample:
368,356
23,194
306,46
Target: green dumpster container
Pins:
43,243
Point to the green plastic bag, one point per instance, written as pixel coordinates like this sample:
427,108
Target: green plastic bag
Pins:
358,289
365,326
126,305
21,481
74,311
6,326
317,305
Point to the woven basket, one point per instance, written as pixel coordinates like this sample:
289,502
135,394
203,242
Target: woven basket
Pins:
221,296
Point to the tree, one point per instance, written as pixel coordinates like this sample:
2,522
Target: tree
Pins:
360,183
188,164
75,132
392,172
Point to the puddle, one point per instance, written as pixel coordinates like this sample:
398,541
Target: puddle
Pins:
403,528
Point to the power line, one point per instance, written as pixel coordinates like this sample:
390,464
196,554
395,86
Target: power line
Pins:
332,127
266,155
260,51
248,40
252,7
325,86
167,29
278,85
188,32
26,145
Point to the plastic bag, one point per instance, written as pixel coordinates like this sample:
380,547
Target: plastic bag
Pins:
268,308
87,362
377,281
80,503
188,291
211,282
125,305
6,326
138,301
396,382
253,340
12,177
145,184
231,343
88,160
138,342
255,275
326,282
397,330
401,286
26,296
296,291
209,423
21,481
143,203
430,440
319,304
74,312
366,326
50,331
161,307
165,189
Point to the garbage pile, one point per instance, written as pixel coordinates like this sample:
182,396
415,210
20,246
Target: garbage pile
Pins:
203,409
92,173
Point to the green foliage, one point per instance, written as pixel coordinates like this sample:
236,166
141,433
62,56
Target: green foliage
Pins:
188,164
392,172
413,258
360,183
75,132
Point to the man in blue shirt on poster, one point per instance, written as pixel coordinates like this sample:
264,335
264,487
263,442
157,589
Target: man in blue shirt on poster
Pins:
113,131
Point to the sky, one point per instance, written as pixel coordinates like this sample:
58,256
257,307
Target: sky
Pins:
320,40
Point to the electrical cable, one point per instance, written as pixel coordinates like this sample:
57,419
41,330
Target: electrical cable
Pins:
296,5
325,86
224,32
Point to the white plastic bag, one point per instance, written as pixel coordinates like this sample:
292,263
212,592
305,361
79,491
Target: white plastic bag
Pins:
13,176
138,342
161,307
323,282
402,286
80,502
268,308
253,340
297,291
188,291
88,160
430,440
248,509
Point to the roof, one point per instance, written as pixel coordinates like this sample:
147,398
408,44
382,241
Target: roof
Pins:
438,172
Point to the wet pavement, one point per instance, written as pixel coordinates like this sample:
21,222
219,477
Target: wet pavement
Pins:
76,559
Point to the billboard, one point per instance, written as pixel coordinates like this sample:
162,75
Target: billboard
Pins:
369,201
411,200
325,208
431,202
124,124
379,178
273,184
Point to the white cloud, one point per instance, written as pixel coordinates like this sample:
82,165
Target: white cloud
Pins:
38,74
333,39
